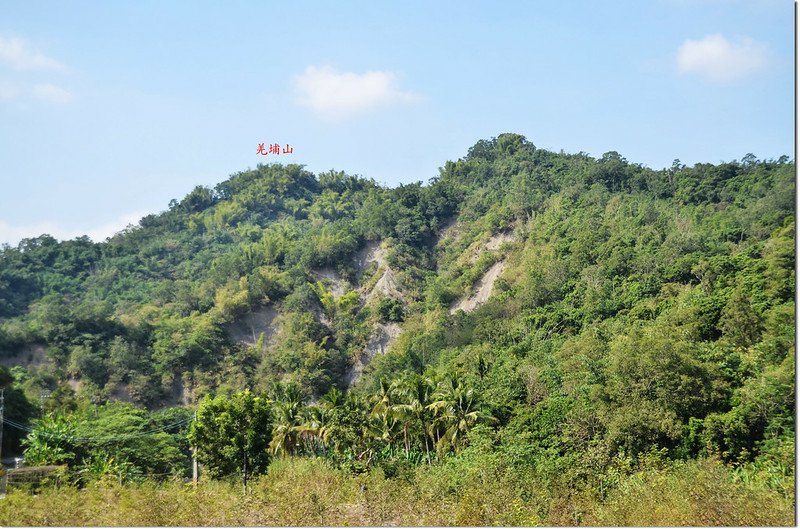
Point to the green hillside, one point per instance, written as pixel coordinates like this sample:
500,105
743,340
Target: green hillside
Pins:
559,322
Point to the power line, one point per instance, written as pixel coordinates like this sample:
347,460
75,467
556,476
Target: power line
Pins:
134,435
96,439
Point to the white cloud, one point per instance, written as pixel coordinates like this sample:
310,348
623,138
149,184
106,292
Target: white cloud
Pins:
19,54
335,94
102,232
12,234
51,93
718,59
8,89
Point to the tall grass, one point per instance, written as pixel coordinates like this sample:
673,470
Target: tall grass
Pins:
309,492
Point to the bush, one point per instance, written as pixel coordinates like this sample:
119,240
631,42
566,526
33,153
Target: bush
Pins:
391,309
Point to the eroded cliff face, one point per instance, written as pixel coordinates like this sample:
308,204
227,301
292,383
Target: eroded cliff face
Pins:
484,287
31,355
249,328
383,336
374,280
333,281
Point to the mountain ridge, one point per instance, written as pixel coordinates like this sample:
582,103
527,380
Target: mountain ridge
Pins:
539,240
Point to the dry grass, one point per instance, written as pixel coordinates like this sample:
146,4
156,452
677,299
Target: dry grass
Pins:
308,492
697,493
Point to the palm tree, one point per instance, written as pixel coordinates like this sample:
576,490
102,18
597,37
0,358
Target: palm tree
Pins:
312,430
287,422
458,410
385,428
332,399
417,393
289,393
385,413
367,421
384,398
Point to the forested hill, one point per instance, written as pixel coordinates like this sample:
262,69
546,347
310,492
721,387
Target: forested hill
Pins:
586,300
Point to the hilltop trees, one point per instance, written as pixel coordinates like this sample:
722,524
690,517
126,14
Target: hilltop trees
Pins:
151,304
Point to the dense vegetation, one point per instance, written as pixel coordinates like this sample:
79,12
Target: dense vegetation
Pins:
639,338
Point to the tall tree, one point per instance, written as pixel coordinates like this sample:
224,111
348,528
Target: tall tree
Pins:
232,434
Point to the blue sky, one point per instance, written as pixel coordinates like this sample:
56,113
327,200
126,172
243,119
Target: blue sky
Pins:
109,110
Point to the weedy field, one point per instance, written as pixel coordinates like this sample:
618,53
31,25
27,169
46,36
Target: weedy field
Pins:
310,492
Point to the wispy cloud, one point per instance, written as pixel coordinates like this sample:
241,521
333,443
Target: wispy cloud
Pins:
8,89
334,94
12,234
19,54
718,59
51,93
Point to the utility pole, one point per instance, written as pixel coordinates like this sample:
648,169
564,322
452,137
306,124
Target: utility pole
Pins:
4,477
2,418
43,396
194,458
